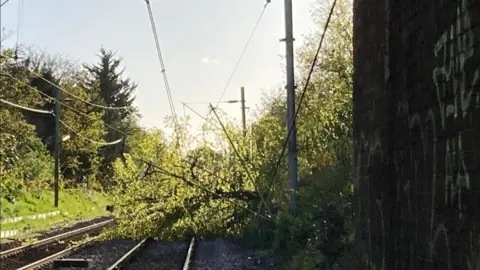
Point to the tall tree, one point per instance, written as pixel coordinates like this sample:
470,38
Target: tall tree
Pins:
113,91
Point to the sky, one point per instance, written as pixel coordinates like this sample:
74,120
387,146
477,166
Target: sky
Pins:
201,41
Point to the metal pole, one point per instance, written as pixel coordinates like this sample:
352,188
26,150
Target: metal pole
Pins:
244,118
292,140
57,144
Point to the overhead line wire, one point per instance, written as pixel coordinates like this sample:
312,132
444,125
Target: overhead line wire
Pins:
25,108
161,170
237,153
252,33
19,24
65,91
242,160
66,125
193,183
165,172
88,139
144,161
117,108
239,60
305,88
64,104
162,64
115,142
83,113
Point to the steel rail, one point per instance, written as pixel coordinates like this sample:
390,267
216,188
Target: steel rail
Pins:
125,258
20,249
58,255
129,255
189,254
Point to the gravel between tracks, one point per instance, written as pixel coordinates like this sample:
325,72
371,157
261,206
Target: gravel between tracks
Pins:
160,255
221,254
103,253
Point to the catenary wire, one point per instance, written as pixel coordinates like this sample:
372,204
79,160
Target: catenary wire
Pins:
19,23
239,60
80,112
65,91
117,108
144,161
162,64
88,139
252,33
25,108
63,104
165,172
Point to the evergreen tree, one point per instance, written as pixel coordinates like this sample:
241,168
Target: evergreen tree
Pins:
113,91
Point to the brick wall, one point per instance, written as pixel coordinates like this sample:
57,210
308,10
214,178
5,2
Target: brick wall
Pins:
417,134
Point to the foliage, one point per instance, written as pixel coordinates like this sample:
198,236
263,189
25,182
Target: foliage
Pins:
27,81
229,184
23,158
179,194
206,190
74,204
321,228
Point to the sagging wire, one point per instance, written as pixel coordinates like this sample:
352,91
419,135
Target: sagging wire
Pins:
235,150
88,139
83,113
65,91
150,165
194,184
215,125
242,161
25,108
219,191
62,103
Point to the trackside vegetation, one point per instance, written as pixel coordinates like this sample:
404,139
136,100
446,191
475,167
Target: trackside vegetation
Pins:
230,184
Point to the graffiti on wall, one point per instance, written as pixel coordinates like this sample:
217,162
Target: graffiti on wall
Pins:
455,84
440,157
369,151
431,174
455,50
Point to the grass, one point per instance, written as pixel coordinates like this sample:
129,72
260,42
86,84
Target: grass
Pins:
74,204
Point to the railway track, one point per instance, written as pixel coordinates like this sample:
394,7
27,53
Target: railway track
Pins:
148,254
35,254
52,232
145,254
